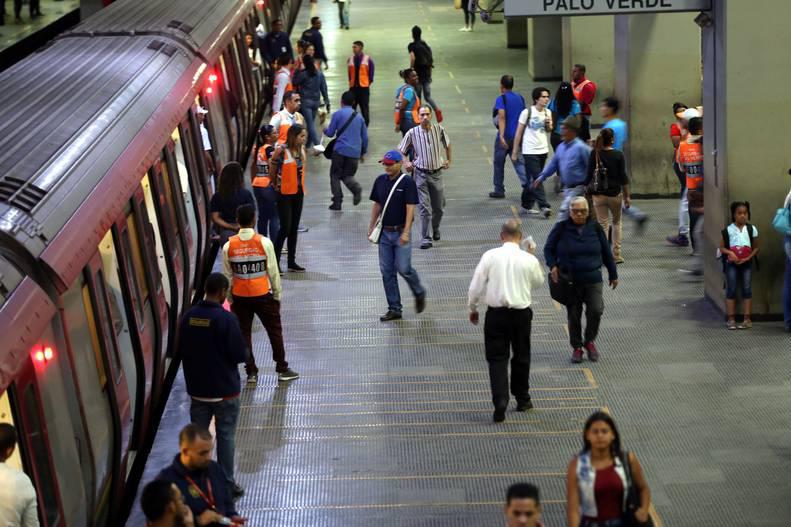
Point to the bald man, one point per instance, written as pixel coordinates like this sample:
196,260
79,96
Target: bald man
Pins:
503,281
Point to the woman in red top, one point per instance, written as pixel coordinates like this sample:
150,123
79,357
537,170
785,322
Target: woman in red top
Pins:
597,482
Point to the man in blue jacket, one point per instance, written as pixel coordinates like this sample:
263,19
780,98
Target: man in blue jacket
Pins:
201,480
351,145
211,346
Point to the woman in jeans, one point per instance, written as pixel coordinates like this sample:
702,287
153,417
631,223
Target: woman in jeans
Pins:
312,87
597,481
787,286
229,196
290,186
263,186
563,105
609,187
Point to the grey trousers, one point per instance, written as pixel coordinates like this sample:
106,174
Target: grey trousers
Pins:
343,170
431,196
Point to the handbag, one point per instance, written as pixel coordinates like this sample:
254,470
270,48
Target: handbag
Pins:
598,183
376,232
331,145
782,220
632,499
562,291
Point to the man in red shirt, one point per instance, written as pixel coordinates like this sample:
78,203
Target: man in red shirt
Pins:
678,133
585,93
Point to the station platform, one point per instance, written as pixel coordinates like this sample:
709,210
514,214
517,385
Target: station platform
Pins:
390,423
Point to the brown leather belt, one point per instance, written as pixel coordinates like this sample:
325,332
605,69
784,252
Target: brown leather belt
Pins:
393,228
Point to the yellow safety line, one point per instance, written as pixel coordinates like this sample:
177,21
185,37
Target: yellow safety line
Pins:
589,375
444,435
450,73
390,506
442,410
375,425
485,390
426,476
435,374
380,403
457,88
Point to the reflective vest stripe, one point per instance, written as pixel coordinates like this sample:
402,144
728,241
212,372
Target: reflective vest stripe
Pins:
365,79
414,111
262,178
247,259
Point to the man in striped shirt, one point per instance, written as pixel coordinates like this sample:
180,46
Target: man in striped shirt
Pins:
430,147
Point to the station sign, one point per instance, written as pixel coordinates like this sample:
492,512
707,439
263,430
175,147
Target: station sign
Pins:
531,8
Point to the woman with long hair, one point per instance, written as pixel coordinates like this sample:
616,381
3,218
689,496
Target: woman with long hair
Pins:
290,186
563,105
229,196
600,476
263,184
608,185
312,86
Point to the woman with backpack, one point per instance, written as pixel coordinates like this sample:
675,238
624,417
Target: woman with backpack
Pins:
422,60
608,185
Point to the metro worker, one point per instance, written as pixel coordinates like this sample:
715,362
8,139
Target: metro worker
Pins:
263,185
163,505
250,264
407,102
211,347
585,93
361,75
288,116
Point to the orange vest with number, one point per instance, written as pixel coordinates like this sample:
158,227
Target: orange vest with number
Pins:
262,178
690,158
365,79
248,264
414,111
291,176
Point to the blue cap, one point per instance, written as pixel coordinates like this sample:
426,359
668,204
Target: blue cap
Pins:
391,158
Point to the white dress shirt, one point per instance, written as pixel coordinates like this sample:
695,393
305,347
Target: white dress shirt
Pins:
18,507
504,278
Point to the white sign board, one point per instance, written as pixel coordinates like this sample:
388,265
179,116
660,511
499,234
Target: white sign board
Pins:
600,7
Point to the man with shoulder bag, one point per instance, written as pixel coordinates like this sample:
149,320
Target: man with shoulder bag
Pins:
505,117
346,150
395,195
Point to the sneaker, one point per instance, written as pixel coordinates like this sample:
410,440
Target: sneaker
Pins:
426,244
593,353
680,240
236,491
499,415
335,206
436,235
731,324
438,113
496,195
294,268
524,406
746,324
358,197
576,356
252,378
288,375
420,303
546,211
693,272
390,315
619,259
302,228
465,28
530,212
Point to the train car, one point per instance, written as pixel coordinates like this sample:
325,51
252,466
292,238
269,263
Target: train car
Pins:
105,231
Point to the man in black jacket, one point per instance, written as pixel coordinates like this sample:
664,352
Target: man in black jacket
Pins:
201,480
211,346
313,35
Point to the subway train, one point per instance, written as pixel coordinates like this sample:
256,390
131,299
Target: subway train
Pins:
105,230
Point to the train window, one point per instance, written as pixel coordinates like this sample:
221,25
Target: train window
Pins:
91,379
218,130
120,337
108,317
35,437
148,192
134,256
182,154
232,101
7,416
171,205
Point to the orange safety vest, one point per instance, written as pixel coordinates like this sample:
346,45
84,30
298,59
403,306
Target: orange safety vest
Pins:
248,264
291,176
415,109
285,124
690,159
577,89
365,78
262,178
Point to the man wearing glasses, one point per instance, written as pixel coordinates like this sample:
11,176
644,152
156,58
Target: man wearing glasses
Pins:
571,160
431,147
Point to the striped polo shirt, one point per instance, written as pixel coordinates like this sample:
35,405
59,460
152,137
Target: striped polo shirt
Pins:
428,145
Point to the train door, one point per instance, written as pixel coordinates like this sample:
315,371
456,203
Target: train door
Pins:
186,221
194,202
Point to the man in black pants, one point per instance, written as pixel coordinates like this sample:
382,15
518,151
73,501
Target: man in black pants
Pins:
351,145
502,281
361,76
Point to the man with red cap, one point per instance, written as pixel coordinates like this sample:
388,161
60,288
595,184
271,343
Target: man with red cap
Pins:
395,195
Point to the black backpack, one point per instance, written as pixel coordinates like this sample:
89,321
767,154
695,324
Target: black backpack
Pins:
423,55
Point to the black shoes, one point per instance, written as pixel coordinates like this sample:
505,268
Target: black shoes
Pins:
499,415
524,406
336,206
358,197
252,379
426,244
496,195
288,375
420,303
390,315
436,235
236,491
294,268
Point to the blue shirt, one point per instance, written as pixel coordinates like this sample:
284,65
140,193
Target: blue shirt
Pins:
514,104
411,97
353,142
619,132
571,159
557,118
405,194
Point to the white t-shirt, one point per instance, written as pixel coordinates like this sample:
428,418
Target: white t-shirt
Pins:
204,135
535,140
17,498
739,237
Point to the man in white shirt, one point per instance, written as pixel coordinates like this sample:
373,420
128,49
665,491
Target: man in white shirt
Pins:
288,116
282,82
18,506
535,125
208,158
503,281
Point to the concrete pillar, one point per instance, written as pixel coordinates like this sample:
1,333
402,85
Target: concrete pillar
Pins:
657,62
589,40
746,135
516,32
545,48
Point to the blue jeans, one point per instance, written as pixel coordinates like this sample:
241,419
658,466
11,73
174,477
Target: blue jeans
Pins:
226,414
732,274
343,13
394,257
309,112
787,286
268,218
498,160
568,194
534,164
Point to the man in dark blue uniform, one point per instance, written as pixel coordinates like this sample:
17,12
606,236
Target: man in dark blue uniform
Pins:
313,35
395,247
211,346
